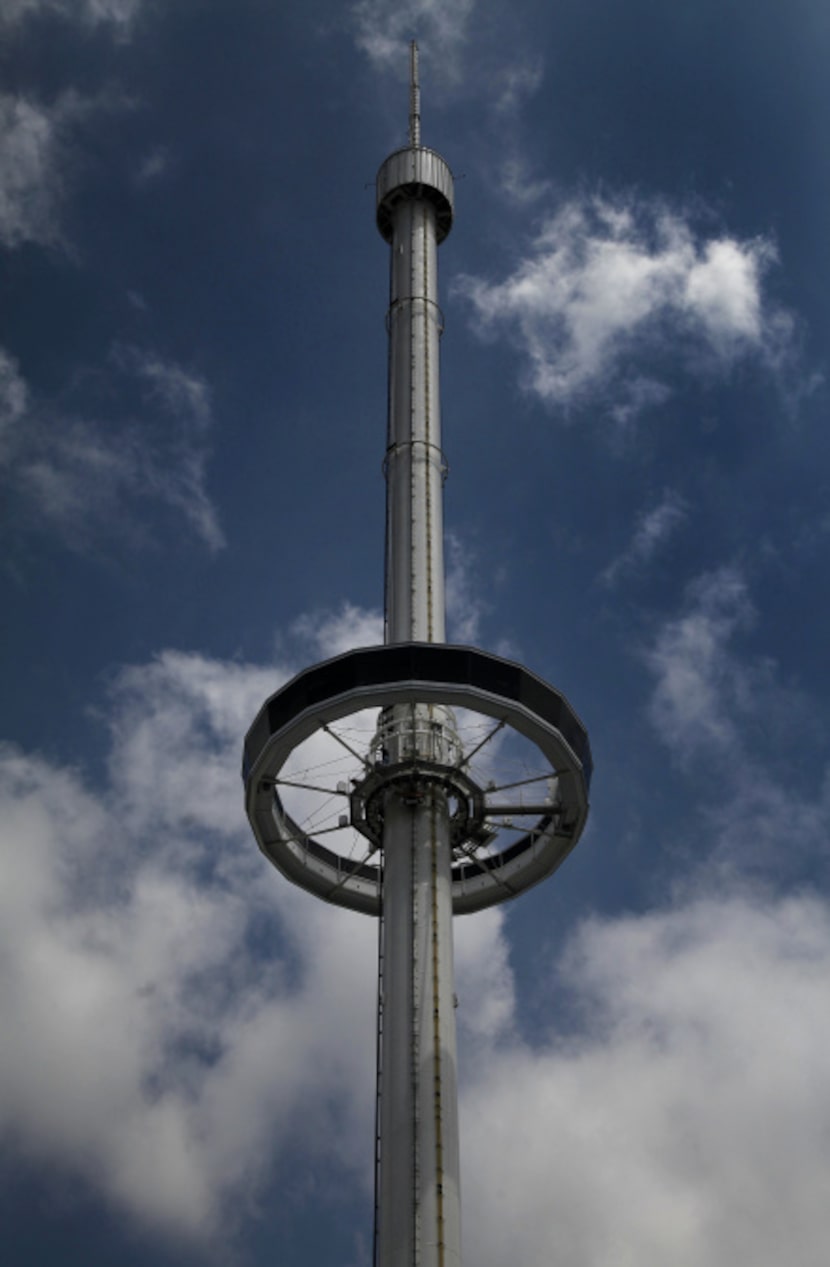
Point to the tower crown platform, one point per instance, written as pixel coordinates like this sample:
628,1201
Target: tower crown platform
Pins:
414,172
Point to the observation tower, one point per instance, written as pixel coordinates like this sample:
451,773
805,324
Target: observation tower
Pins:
416,780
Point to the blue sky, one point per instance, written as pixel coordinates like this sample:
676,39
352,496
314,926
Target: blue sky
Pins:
192,414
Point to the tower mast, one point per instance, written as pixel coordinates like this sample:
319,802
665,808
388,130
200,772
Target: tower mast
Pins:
441,826
418,1200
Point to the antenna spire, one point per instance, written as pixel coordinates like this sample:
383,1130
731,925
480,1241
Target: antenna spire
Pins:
414,97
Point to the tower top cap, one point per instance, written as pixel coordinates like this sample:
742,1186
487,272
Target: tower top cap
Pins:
414,172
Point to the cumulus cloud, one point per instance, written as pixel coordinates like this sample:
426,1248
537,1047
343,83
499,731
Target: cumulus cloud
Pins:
100,959
185,1020
175,1000
154,1049
384,28
653,530
151,1051
684,1118
484,987
609,288
85,477
155,709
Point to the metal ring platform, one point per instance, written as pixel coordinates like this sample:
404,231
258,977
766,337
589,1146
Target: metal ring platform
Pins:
418,673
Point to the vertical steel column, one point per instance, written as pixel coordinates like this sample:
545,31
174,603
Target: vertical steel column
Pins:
414,461
419,1197
419,1194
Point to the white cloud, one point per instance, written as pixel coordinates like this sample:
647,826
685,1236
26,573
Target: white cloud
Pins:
154,165
635,394
88,479
13,399
384,29
332,633
607,287
507,89
119,12
38,162
160,1048
465,607
484,986
31,171
699,686
743,735
686,1118
518,183
514,83
90,985
722,289
654,528
196,786
171,1054
155,1051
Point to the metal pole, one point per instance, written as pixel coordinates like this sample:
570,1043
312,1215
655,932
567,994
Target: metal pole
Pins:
419,1192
